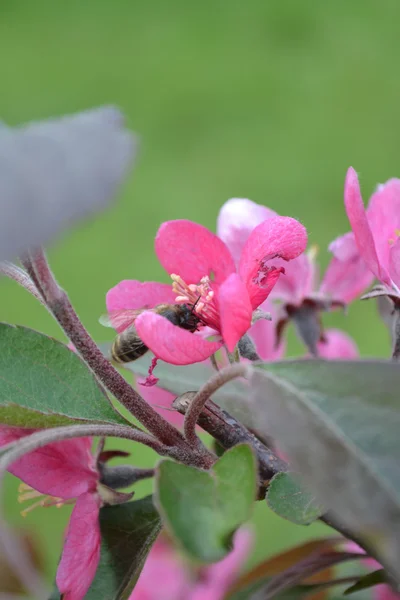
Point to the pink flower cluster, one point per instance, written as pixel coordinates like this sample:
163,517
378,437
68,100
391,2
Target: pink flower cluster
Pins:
224,293
255,264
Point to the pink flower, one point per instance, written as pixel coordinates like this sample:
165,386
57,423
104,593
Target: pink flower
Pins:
376,229
223,295
264,335
63,471
297,290
166,576
345,278
337,344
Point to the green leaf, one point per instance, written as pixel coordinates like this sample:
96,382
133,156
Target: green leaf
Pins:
203,509
44,384
127,533
339,423
288,499
368,581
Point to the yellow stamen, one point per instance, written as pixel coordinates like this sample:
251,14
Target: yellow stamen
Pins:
26,492
200,296
312,252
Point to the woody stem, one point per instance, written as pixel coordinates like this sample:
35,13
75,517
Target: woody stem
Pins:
61,308
197,404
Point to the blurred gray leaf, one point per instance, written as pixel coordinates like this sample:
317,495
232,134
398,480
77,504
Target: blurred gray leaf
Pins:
55,172
339,424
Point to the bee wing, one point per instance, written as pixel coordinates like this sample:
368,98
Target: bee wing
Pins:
120,319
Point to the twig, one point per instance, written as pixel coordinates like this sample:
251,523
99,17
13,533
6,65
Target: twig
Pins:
396,334
229,432
22,278
60,306
197,404
14,450
27,264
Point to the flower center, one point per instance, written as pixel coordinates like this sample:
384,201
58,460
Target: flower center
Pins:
200,296
26,492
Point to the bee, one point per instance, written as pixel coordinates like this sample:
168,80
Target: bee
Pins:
128,346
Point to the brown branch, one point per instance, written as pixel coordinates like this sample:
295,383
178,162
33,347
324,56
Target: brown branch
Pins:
22,278
195,407
60,306
229,432
42,437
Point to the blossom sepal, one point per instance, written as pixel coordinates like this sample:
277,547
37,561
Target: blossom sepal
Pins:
111,497
381,290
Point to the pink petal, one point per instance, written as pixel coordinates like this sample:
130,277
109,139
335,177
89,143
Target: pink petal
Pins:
164,576
344,247
62,469
171,343
394,263
345,280
237,219
81,552
338,345
360,226
192,251
161,400
298,281
234,309
277,237
383,215
132,294
259,290
263,334
219,577
384,592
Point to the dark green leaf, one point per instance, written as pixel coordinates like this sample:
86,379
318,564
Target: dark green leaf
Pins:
44,384
288,499
369,580
339,423
203,509
127,533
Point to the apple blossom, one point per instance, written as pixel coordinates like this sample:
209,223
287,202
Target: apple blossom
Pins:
376,230
59,473
205,276
300,297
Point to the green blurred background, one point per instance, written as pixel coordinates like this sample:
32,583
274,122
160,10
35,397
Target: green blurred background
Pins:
270,100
